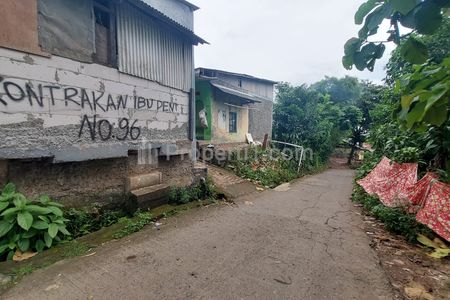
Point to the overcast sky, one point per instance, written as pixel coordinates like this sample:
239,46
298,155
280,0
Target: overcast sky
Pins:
299,41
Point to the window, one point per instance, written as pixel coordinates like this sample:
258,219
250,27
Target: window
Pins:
105,39
233,122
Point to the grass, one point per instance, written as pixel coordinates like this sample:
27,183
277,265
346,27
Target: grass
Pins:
395,220
268,167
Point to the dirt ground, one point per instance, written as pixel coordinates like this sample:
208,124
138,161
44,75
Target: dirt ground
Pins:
412,273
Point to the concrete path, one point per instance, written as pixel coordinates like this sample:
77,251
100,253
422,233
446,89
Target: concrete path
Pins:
301,242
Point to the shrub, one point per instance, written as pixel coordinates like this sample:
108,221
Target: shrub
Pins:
28,225
267,168
395,220
83,222
183,195
140,220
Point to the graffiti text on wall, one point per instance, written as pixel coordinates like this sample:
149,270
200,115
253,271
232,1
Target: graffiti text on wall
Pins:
96,101
103,129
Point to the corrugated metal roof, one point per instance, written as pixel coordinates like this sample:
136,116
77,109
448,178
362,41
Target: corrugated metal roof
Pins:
183,25
199,71
238,93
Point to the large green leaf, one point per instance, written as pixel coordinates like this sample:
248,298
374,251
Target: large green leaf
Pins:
428,18
415,115
10,211
351,46
48,240
55,210
3,249
403,6
39,246
53,230
19,201
63,230
23,244
414,51
3,205
363,10
25,220
36,209
5,227
40,225
29,234
360,61
9,189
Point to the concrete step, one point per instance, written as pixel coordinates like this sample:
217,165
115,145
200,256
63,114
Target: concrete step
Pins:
144,180
151,197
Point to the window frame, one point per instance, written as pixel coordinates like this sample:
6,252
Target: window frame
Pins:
232,125
112,47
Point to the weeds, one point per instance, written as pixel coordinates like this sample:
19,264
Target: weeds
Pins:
395,220
183,195
260,166
140,220
82,222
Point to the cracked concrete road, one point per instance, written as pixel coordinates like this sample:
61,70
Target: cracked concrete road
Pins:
301,242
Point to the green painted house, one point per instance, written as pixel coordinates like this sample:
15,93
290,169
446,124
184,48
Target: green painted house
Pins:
230,105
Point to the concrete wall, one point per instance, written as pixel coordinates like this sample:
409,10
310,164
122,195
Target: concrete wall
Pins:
260,120
72,130
100,182
57,107
221,121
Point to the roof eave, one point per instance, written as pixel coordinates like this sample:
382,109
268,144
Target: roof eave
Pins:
169,22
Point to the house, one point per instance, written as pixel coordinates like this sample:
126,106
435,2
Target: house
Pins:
233,105
96,97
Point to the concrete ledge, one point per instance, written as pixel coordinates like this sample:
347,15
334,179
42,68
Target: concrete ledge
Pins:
151,197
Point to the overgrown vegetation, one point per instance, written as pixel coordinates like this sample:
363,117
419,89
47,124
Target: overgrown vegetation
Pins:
203,191
410,120
266,167
28,225
396,220
140,220
82,222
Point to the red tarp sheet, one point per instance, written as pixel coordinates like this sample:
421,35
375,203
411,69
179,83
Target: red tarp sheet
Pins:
391,182
436,210
417,195
396,185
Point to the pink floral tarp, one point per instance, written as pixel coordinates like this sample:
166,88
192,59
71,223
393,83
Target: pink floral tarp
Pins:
390,181
417,195
396,185
435,212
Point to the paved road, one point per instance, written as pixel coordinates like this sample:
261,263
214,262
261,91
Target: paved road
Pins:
303,242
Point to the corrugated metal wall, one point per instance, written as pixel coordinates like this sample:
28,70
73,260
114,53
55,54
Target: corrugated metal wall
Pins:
147,50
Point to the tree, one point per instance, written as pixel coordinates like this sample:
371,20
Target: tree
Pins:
305,117
438,45
353,121
342,91
424,85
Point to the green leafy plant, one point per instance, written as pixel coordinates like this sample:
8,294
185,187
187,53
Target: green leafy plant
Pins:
27,225
82,222
395,220
140,220
202,191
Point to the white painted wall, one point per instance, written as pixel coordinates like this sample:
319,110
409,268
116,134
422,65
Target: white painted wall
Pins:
163,118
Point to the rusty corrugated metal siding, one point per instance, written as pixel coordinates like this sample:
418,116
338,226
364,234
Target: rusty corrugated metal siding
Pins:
148,50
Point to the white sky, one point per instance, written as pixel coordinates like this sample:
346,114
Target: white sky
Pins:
298,41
